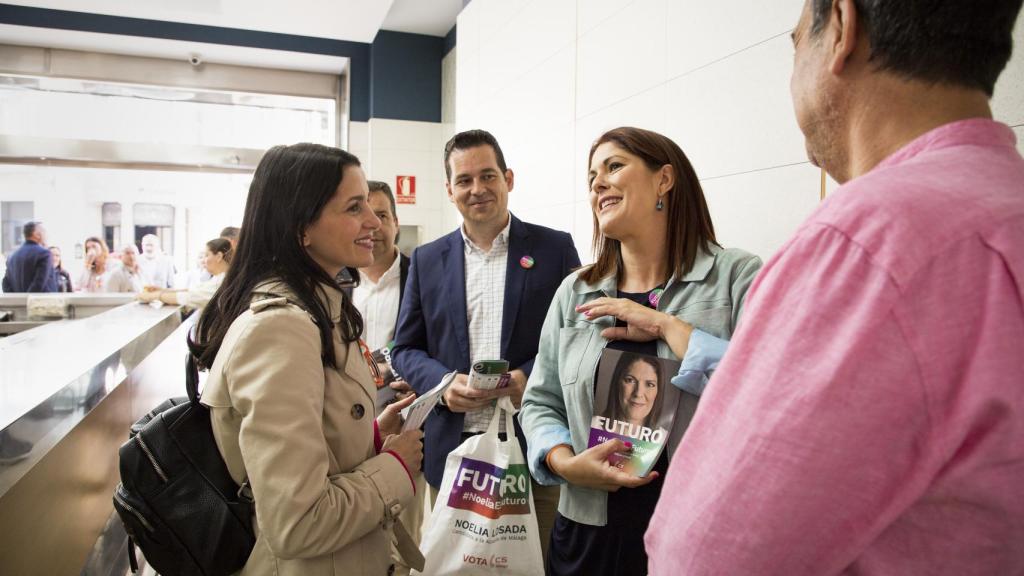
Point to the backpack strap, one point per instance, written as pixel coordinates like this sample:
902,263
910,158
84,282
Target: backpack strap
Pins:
273,301
133,560
270,302
192,379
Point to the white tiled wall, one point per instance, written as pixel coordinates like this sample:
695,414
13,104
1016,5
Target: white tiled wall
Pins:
450,217
359,140
622,56
781,198
403,148
549,76
705,32
1008,100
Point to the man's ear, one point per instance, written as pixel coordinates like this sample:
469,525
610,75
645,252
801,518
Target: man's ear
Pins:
510,179
843,23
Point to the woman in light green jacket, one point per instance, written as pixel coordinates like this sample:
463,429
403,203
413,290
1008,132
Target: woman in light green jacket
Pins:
661,286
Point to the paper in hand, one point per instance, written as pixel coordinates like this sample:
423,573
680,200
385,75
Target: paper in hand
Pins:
416,413
489,374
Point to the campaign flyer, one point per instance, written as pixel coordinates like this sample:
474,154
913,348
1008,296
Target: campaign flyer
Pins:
635,402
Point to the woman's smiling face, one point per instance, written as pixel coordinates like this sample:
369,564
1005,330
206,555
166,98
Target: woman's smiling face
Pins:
623,191
638,390
343,234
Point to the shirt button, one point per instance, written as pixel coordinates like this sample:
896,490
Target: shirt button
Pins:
358,411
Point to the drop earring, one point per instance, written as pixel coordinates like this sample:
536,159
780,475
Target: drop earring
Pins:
660,205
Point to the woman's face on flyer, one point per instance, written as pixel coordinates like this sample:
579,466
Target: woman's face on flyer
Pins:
638,389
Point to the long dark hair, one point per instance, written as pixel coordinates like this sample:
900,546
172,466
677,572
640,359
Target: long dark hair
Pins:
289,190
615,407
689,221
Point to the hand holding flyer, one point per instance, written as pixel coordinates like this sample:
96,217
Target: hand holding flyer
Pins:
385,393
635,402
416,413
489,374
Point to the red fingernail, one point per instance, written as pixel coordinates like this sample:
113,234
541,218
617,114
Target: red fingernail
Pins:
629,445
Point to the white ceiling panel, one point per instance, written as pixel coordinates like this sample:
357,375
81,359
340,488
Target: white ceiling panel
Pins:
170,49
353,20
429,17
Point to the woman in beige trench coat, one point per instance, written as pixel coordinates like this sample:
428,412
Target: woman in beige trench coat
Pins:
290,391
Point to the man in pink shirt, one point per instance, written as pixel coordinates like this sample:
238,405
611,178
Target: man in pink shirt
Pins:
869,415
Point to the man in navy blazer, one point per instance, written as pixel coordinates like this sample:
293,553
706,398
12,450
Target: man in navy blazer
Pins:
479,293
30,267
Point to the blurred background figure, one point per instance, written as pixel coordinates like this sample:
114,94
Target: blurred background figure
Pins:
127,277
61,275
157,268
230,233
216,259
197,274
94,276
28,267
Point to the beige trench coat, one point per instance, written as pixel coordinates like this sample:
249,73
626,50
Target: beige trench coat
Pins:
302,434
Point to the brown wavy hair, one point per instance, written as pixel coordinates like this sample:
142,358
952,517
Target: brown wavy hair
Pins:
102,257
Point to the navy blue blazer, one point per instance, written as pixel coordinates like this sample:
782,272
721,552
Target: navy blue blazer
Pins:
30,269
432,336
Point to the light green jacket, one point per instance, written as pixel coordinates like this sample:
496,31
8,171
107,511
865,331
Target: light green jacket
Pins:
559,399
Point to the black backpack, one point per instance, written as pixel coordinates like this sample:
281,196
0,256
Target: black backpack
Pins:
176,498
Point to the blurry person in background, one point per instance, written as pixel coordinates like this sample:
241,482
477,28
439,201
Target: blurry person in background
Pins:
377,295
381,285
29,268
197,274
230,233
94,276
63,278
216,260
157,268
126,277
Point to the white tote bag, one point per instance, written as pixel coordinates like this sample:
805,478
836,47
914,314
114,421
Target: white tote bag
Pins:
484,521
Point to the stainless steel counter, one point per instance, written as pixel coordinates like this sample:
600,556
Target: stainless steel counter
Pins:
77,357
79,305
69,390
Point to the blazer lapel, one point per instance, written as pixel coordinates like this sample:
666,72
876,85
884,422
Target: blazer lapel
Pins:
403,274
519,245
454,258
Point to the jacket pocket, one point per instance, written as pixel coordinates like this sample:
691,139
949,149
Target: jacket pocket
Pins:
714,321
572,347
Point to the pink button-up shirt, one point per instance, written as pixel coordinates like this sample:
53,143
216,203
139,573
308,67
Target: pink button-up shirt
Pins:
869,415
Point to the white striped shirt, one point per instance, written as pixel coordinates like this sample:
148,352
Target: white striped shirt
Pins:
485,303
